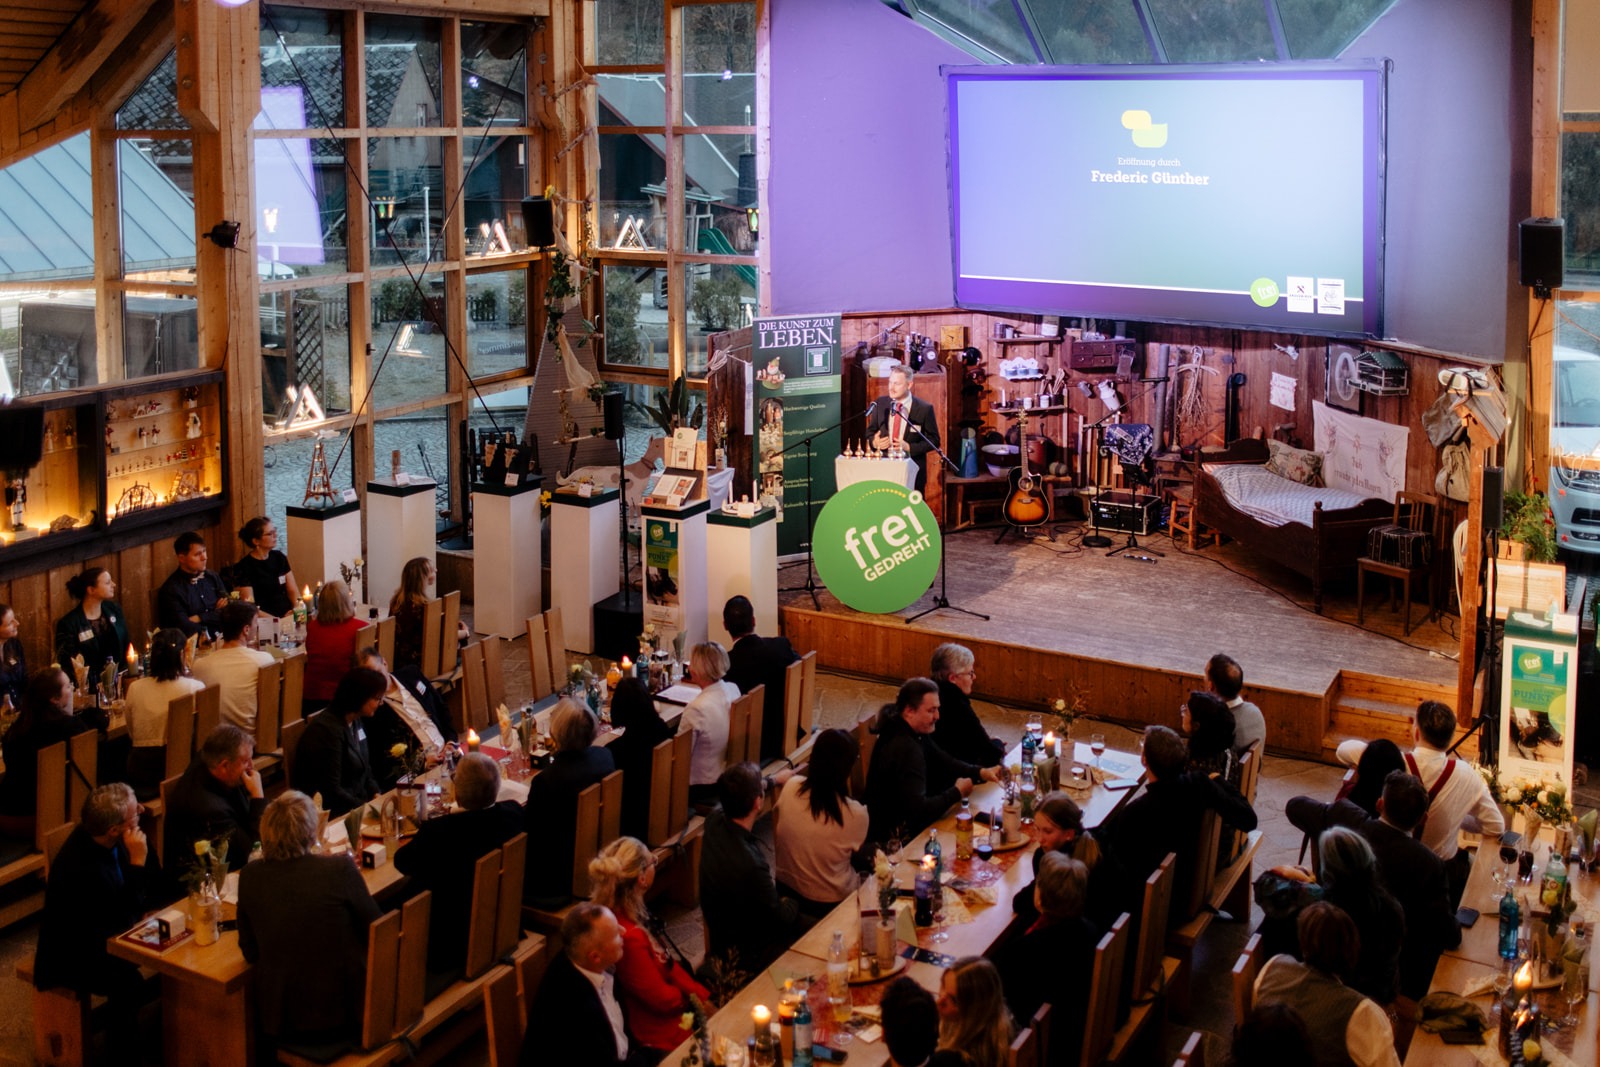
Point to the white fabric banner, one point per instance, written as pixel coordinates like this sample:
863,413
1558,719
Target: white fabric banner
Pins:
1363,455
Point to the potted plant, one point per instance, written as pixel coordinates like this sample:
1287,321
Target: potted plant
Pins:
1529,524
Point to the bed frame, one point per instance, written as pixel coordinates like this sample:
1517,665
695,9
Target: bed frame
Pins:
1328,548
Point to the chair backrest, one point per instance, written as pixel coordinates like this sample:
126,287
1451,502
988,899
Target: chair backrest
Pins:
1193,1053
449,647
669,788
474,695
158,832
496,924
539,677
1245,971
808,700
366,637
289,736
599,823
744,727
1249,776
1040,1025
1100,1019
1415,511
269,706
294,687
494,670
1153,925
503,1019
383,963
386,630
1024,1049
180,733
530,961
1196,893
67,773
432,628
207,713
866,740
794,678
53,840
411,979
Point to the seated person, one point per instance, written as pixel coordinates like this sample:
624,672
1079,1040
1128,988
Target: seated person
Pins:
973,1018
748,925
98,888
754,660
910,1020
1361,788
13,661
1226,679
303,925
334,757
911,780
1064,937
148,701
1336,1017
219,796
552,808
400,720
634,713
416,702
234,666
263,570
96,629
1270,1036
1058,824
959,731
46,719
408,606
192,598
1208,726
330,644
818,827
707,716
575,1017
444,854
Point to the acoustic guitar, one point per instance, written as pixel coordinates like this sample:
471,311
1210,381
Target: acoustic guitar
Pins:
1028,502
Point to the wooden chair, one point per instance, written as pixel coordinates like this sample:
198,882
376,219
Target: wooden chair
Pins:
270,713
1040,1025
504,1017
496,925
180,734
474,702
292,696
744,727
290,737
1153,971
673,833
1100,1019
1245,971
547,654
866,740
1249,777
158,823
799,701
207,713
599,822
441,660
1024,1049
1193,1053
1416,519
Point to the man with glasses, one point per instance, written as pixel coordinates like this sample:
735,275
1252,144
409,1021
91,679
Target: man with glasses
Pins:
959,731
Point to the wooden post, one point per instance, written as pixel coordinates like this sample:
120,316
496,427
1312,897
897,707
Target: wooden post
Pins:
1545,168
1481,442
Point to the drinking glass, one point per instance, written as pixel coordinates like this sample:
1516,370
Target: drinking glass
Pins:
1508,856
940,934
1036,728
1525,866
1097,745
1574,991
892,849
1502,983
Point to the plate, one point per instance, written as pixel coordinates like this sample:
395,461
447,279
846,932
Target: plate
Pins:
1020,842
860,977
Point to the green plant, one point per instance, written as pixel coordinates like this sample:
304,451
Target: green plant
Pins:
398,300
1529,522
517,299
671,409
622,317
715,301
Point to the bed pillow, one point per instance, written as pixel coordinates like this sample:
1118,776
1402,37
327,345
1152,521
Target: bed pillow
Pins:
1296,464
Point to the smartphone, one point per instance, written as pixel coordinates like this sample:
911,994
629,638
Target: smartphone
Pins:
1511,838
227,924
1461,1037
824,1054
1121,783
981,817
1466,916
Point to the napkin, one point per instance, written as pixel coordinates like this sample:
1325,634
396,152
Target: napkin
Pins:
1479,986
190,647
508,740
1448,1011
980,894
352,824
108,678
905,926
1586,826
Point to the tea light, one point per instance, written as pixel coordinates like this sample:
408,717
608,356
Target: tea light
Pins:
761,1020
1522,981
472,740
1052,745
133,658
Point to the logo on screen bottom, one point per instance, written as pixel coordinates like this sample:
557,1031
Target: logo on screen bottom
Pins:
877,546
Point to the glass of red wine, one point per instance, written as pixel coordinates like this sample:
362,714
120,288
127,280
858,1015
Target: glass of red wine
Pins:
1508,856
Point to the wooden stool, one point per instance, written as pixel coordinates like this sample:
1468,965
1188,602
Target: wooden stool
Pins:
964,508
1181,519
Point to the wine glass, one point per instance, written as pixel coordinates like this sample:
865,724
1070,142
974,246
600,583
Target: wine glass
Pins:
1097,745
1574,991
1508,856
892,848
1502,983
940,934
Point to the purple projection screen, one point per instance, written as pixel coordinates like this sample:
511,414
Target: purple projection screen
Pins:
1248,197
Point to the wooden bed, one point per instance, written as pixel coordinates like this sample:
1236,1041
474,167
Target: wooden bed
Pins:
1328,548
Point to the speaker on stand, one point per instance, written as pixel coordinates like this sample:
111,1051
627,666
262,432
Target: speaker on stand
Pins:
539,220
1540,254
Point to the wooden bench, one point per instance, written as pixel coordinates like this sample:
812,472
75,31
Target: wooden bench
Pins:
1226,890
599,822
547,654
1153,971
674,833
1105,989
799,706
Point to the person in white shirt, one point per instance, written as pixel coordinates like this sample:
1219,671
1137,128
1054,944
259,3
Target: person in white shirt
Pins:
147,703
818,827
1226,679
707,715
1458,796
234,666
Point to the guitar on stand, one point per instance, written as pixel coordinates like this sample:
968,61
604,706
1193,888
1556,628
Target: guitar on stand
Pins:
1028,503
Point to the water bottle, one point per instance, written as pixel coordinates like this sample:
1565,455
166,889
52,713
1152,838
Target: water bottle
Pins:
1510,920
1029,747
937,853
1553,888
207,912
802,1034
838,980
1027,791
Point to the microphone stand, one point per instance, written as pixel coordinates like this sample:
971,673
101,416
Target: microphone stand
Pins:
1098,539
810,585
941,602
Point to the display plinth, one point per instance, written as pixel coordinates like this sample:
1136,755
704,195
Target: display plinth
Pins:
742,559
507,557
401,525
585,560
676,599
322,538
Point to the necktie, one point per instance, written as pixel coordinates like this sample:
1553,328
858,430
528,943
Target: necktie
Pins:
897,431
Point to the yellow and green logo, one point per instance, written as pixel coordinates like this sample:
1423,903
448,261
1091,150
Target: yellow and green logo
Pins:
1146,134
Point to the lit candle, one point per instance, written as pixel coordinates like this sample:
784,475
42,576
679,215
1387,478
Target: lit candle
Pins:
133,658
306,595
1052,746
761,1020
1523,980
627,665
472,740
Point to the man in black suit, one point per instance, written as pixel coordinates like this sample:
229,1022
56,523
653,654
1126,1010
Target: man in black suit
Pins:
576,1017
748,923
333,757
755,660
444,855
220,795
192,598
911,781
1410,870
552,808
904,423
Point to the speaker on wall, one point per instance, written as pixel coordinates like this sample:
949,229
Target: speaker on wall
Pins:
611,406
1540,247
1494,497
21,438
539,219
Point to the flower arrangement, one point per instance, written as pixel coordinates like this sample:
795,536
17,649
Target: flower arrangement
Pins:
1491,779
649,641
694,1022
1546,801
411,757
210,857
1068,707
883,871
353,574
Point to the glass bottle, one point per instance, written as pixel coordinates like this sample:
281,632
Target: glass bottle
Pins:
1029,748
1510,920
802,1034
964,830
207,911
1027,791
1553,887
937,853
838,979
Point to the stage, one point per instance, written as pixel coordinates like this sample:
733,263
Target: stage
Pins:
1134,636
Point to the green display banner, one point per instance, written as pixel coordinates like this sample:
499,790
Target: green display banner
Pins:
661,602
1538,701
877,546
797,370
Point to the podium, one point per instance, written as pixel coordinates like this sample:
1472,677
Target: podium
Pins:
507,557
585,560
676,595
742,559
401,525
320,539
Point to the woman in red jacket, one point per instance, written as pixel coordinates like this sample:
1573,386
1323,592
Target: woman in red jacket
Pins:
654,987
330,645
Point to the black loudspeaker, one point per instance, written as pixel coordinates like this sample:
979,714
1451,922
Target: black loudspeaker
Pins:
611,406
21,438
1494,497
539,219
1540,246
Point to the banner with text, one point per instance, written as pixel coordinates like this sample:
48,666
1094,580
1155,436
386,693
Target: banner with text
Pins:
797,367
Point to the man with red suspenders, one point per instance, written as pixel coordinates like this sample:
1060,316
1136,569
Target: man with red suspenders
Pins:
1457,794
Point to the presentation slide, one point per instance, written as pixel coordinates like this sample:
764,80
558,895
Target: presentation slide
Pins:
1247,198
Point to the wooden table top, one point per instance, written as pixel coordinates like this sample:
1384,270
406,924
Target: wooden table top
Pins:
1481,943
1576,1044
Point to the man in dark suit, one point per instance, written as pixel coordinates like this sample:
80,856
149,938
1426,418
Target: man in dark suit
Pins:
444,854
333,758
1411,871
552,808
904,423
576,1017
755,660
748,923
911,780
192,598
220,795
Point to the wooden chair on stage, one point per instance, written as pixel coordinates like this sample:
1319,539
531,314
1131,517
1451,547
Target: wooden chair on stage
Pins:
1403,551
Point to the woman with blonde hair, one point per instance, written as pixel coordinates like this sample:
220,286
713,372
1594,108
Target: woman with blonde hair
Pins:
654,986
330,644
707,715
973,1017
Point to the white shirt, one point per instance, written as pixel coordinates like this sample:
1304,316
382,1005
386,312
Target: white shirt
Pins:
147,707
605,986
1463,801
234,671
813,854
412,713
707,716
1249,726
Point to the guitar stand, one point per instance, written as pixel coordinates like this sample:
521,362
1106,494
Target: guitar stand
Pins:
1028,533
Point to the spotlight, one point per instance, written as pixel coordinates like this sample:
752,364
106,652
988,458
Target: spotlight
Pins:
224,234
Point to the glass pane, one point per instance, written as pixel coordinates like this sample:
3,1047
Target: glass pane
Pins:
497,322
639,425
302,49
633,191
1580,206
403,71
1575,426
719,63
629,32
494,74
156,183
1320,29
995,26
635,316
300,196
287,465
713,186
406,183
1090,31
47,214
422,439
409,341
496,182
720,297
48,340
154,105
159,336
305,343
1212,31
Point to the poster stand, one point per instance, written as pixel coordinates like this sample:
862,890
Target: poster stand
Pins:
675,582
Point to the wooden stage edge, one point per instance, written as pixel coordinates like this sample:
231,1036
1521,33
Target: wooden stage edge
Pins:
1308,725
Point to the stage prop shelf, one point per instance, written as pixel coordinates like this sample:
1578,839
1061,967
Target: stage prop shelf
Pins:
742,560
508,556
584,560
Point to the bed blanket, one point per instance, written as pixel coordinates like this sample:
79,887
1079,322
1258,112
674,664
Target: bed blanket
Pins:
1272,499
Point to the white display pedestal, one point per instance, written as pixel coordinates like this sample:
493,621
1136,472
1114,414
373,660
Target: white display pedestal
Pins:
507,558
320,539
401,525
585,560
742,559
676,598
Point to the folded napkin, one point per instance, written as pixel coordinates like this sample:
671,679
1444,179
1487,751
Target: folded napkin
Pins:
1479,986
979,894
1449,1011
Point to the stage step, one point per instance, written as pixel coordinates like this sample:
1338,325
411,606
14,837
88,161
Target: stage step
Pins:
1366,707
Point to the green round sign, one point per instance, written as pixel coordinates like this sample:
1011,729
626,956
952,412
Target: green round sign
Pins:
877,546
1264,291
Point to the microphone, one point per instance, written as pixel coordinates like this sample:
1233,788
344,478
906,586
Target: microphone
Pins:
870,409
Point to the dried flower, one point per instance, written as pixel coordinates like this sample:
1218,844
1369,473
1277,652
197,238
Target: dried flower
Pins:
202,847
398,749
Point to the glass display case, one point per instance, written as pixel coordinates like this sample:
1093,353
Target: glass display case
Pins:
162,448
60,493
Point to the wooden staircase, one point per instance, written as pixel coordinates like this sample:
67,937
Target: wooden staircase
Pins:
1367,706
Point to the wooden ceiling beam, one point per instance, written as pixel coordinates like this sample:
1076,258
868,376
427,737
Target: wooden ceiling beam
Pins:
505,9
92,38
